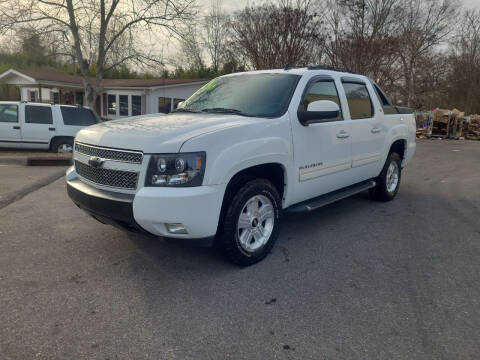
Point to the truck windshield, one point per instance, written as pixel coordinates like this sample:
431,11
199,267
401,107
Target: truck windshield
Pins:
258,95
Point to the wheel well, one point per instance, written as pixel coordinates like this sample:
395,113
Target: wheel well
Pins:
55,138
273,172
398,147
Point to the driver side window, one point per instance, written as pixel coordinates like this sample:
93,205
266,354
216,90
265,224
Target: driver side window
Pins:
322,90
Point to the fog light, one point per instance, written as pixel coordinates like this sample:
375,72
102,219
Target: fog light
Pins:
176,229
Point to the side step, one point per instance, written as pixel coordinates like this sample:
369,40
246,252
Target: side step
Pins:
329,198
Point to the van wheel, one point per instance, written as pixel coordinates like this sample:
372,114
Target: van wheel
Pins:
388,181
251,223
62,146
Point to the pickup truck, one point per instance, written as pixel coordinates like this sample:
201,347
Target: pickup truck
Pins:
42,126
240,152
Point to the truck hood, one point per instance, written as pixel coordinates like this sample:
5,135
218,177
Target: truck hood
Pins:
156,134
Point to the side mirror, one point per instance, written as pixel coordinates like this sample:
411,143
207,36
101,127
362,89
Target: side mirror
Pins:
319,111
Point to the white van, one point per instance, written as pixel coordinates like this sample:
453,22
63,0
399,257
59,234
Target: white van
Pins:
42,126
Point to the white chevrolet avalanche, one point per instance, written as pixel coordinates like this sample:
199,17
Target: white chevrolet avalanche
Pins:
241,151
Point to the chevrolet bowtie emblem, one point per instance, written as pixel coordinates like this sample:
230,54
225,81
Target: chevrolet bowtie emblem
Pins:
95,161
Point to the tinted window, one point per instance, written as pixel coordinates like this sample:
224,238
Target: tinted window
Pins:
38,114
359,101
164,105
386,105
322,90
123,101
8,113
78,116
136,105
262,95
112,104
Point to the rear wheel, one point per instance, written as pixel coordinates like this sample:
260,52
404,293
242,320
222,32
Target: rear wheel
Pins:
251,223
62,146
388,181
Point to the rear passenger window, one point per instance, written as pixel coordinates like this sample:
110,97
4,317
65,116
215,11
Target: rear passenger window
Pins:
322,90
8,113
38,114
359,101
76,116
386,105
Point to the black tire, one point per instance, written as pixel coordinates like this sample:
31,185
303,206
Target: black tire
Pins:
229,239
58,143
381,192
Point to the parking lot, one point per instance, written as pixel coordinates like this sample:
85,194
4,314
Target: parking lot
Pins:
354,280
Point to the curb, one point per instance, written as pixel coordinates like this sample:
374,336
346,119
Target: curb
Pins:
36,161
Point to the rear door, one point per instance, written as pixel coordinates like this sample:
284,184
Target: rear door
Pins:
367,130
39,126
10,129
321,150
73,118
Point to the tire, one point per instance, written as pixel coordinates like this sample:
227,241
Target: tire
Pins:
61,145
385,189
249,241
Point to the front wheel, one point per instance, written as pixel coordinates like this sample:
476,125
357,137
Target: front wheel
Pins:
251,223
388,181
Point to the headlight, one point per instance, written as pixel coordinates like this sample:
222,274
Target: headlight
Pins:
182,169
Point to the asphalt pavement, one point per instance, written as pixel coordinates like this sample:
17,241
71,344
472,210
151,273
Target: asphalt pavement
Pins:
355,280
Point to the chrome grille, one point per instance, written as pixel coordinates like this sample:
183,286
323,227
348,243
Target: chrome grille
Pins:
110,154
107,177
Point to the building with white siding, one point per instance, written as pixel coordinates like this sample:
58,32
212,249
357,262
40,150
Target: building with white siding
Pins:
120,97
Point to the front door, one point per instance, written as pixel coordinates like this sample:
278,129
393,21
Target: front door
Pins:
321,150
10,130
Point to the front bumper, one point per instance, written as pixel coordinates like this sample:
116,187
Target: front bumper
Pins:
150,208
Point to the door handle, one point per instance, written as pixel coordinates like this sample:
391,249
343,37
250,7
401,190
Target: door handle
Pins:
342,135
51,129
16,127
375,130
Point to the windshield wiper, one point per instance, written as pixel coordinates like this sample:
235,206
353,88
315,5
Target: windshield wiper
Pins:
185,110
225,111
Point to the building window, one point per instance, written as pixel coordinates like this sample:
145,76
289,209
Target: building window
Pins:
123,102
79,98
176,102
136,105
32,96
56,98
164,105
112,104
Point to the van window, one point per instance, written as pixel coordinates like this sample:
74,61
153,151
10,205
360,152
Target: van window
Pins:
359,101
76,116
322,90
8,113
38,114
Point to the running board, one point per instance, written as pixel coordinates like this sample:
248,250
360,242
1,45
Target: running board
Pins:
329,198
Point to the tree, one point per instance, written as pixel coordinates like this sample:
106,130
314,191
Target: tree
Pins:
423,25
216,32
101,34
464,61
273,36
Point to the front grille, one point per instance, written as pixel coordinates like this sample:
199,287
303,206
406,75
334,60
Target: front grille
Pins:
110,154
115,178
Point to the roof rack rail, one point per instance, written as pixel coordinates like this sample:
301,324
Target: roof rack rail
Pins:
321,67
331,68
